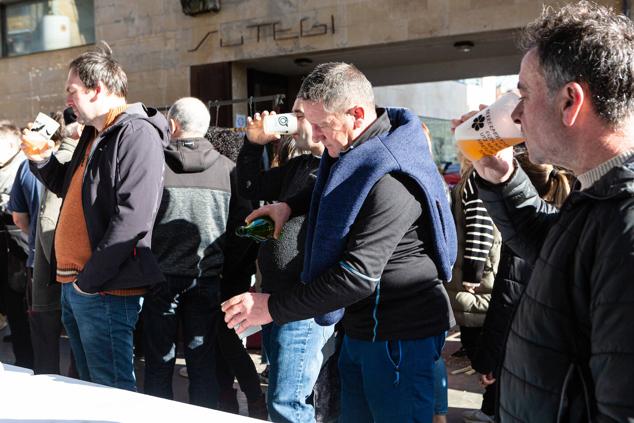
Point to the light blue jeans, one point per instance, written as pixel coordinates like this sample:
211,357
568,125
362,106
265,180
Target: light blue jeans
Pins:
295,357
99,329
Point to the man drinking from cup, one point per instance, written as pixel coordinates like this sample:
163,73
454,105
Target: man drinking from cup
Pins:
111,191
570,349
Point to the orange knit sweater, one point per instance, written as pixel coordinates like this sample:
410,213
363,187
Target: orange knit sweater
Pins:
72,245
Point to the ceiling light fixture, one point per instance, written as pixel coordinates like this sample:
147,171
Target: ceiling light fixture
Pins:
303,62
464,46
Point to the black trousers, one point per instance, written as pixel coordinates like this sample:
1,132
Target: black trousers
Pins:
470,338
194,303
46,328
233,359
15,305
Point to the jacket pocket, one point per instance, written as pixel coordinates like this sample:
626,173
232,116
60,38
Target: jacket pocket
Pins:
395,355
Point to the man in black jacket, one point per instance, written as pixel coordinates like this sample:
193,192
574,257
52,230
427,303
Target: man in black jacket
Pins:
294,348
111,190
570,349
380,240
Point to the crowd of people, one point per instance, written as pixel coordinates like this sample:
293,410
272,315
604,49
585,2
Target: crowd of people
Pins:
126,219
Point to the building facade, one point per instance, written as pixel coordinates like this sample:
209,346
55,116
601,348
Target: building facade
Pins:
252,47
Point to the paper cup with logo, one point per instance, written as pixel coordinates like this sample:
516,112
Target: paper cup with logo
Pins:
285,123
46,127
490,130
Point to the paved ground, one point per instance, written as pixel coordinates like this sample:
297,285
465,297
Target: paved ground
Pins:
464,391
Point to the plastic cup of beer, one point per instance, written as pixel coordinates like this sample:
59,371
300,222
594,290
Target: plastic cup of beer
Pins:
490,130
285,123
45,127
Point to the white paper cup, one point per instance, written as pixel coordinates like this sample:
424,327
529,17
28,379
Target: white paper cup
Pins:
45,125
285,123
250,331
491,130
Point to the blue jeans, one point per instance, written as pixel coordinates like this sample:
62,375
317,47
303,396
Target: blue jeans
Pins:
441,404
385,382
295,357
99,329
196,304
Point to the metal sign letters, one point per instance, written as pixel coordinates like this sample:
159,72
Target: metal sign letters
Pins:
274,30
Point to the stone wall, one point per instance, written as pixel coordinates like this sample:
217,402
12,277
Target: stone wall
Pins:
156,43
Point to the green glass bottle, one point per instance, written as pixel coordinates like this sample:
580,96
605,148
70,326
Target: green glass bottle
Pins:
259,229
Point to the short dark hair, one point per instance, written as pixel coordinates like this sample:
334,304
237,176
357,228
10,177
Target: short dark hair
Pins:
587,43
97,66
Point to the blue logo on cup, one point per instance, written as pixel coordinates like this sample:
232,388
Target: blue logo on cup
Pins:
283,121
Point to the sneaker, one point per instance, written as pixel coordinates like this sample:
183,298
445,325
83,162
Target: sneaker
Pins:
183,372
476,416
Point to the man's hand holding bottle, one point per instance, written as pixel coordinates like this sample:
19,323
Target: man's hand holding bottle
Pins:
279,213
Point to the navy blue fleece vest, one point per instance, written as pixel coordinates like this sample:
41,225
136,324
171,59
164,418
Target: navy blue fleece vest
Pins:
344,183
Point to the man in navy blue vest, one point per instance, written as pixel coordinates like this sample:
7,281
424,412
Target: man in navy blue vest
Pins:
380,241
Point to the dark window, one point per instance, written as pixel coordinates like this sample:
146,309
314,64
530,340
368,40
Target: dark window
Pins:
42,25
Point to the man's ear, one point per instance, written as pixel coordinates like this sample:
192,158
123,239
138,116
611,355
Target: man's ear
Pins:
96,91
173,126
572,97
358,112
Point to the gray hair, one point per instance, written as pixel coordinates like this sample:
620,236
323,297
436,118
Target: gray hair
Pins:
587,43
338,86
191,114
97,66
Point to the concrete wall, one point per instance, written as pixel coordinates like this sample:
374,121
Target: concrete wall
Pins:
152,39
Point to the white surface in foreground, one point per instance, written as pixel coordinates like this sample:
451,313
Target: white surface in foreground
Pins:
54,398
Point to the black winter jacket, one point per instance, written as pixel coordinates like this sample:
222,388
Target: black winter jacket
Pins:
281,260
570,350
510,281
121,193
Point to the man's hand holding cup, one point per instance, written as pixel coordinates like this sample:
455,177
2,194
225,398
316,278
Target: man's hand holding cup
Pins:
36,138
486,137
255,129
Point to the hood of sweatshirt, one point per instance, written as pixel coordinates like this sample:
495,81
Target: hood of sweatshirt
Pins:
190,155
153,116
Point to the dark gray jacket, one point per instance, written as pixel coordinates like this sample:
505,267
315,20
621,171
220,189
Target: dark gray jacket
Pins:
121,193
200,210
570,348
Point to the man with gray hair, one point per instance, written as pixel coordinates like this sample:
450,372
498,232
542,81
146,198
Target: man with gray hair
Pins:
194,243
380,240
570,348
111,190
